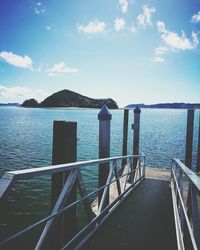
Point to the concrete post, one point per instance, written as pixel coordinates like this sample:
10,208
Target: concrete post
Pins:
104,117
125,137
198,150
189,138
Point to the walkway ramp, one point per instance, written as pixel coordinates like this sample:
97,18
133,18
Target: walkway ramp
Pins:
145,220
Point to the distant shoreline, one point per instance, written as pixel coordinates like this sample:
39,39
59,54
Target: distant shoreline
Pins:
130,106
166,106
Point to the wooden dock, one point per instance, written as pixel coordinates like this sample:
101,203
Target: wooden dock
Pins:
145,220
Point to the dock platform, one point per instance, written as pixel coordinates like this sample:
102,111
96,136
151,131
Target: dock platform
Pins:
145,220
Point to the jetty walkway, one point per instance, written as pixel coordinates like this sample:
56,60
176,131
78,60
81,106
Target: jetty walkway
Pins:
145,220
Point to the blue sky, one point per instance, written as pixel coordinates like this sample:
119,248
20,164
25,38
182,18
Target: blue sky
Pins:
130,50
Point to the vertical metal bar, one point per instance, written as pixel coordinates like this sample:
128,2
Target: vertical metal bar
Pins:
86,202
117,180
195,215
46,236
181,192
103,204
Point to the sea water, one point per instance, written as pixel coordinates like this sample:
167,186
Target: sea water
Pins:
26,141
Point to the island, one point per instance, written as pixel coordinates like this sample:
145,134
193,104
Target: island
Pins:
176,105
67,98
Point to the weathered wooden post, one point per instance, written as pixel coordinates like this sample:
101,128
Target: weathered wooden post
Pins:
189,138
104,117
125,137
136,136
64,151
198,150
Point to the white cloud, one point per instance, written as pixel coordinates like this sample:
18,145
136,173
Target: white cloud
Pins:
145,19
161,26
159,59
48,27
16,60
119,24
19,94
93,27
123,5
39,9
60,68
175,41
132,29
196,18
160,51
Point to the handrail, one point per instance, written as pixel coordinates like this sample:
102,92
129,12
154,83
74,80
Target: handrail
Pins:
60,207
189,173
185,186
10,177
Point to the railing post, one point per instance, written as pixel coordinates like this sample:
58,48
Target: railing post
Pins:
189,138
64,151
198,150
136,136
125,137
104,117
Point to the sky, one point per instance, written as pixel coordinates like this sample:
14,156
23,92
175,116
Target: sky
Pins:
134,51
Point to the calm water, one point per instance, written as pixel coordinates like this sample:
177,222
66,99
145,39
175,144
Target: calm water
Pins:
26,141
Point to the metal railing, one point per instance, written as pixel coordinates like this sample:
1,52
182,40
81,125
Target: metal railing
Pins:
120,184
185,186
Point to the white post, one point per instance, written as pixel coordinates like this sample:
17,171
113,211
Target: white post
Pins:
104,117
136,137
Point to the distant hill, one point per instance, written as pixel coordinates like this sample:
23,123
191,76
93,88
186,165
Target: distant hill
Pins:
67,98
178,105
9,104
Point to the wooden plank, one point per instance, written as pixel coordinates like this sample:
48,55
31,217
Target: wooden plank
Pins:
157,173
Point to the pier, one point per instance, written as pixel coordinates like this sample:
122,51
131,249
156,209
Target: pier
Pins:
133,207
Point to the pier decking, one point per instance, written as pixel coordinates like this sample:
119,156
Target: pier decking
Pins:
145,220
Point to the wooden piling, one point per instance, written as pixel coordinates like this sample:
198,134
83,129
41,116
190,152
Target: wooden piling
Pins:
125,137
64,151
104,117
198,150
189,138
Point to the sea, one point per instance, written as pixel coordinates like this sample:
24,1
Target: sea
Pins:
26,136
